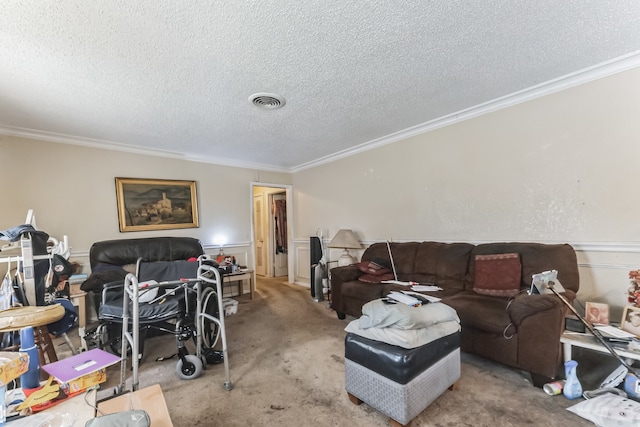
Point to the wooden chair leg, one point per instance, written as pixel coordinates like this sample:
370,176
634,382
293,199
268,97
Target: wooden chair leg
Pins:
354,399
45,348
455,386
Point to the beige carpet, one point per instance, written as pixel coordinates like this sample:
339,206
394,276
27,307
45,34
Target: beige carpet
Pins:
286,355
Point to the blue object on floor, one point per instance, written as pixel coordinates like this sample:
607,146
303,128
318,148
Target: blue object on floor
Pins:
31,378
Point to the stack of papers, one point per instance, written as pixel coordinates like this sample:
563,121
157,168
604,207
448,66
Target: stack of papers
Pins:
424,298
405,299
426,288
608,331
398,282
413,299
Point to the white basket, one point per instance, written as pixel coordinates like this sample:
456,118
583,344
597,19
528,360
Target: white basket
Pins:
230,306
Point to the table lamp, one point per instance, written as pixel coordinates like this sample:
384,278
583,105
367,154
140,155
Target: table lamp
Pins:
345,239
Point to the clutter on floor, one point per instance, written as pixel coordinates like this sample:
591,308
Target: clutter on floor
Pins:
67,393
68,396
149,399
230,306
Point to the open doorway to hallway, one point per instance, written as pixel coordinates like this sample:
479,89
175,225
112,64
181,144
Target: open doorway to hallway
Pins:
272,230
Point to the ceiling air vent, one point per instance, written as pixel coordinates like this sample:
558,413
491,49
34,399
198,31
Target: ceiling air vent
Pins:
268,101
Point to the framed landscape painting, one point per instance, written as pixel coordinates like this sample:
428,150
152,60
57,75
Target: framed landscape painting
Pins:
156,204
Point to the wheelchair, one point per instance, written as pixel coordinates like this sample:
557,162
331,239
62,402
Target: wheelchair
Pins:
181,298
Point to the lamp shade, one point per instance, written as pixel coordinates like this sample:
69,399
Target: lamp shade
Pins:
345,239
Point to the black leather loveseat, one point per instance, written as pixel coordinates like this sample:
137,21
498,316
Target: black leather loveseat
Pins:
111,260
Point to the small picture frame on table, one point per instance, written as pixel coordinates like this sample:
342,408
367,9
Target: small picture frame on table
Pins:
596,313
631,320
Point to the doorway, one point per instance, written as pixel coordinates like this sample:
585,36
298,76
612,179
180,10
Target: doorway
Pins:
271,230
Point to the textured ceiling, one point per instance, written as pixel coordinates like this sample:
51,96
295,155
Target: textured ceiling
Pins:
174,77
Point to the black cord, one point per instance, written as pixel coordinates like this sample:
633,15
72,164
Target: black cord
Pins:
95,407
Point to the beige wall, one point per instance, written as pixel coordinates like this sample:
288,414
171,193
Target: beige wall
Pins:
72,191
561,168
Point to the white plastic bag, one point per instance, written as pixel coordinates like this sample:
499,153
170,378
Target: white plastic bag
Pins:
46,419
609,410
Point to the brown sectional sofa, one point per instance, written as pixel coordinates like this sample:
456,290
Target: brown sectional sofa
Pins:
522,331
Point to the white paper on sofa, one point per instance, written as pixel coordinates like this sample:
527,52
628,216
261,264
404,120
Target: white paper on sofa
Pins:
405,299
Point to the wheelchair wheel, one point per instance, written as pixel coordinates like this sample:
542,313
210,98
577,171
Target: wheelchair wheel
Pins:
114,338
210,329
191,369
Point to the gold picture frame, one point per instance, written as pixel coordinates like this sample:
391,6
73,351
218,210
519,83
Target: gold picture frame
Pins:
156,204
631,320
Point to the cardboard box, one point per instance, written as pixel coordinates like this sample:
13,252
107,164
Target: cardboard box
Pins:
150,399
85,381
12,365
82,370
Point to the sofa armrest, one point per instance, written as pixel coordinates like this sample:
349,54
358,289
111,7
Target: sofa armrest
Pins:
523,305
539,323
345,274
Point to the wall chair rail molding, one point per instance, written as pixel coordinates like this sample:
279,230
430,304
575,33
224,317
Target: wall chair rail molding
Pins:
618,247
622,247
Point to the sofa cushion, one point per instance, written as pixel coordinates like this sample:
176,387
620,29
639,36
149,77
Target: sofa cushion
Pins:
127,251
482,312
497,274
361,290
404,256
443,264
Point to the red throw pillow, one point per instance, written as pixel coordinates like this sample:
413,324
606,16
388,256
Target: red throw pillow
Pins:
497,275
370,278
370,267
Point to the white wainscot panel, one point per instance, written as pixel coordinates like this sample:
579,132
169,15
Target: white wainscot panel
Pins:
303,263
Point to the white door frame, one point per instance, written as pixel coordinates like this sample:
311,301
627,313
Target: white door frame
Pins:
262,241
273,257
289,195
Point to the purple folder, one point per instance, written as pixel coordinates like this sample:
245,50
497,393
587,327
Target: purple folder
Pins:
73,367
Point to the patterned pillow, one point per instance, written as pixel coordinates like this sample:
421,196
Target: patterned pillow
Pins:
497,275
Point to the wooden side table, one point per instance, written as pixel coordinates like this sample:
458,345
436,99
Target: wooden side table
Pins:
241,276
79,299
